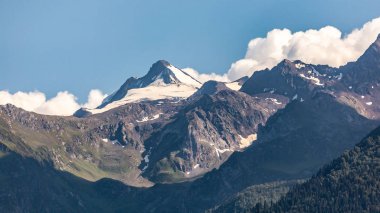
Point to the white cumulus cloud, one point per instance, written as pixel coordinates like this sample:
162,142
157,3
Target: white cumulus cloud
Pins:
64,103
205,77
95,98
324,46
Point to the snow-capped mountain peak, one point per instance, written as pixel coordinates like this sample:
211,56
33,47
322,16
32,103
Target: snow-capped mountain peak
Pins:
163,81
165,73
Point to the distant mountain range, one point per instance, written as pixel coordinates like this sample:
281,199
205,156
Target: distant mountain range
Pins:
173,144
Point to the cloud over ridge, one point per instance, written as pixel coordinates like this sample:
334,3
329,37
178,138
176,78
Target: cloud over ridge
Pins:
64,103
323,46
202,77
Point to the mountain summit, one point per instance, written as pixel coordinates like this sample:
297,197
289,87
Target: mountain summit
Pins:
163,81
372,54
366,69
168,74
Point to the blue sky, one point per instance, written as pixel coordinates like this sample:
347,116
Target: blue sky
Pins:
79,45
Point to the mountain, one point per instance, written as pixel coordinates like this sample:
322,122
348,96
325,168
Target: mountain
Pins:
178,146
294,143
146,142
205,133
361,82
293,147
34,185
355,84
31,186
91,148
350,183
237,84
293,79
210,88
163,81
365,70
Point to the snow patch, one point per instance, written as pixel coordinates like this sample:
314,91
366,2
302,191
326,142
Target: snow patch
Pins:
274,100
299,65
313,79
369,103
183,77
220,151
340,76
245,142
145,119
115,142
154,92
146,158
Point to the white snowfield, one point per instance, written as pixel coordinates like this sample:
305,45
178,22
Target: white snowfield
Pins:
299,65
275,101
145,119
220,151
183,77
154,92
246,142
157,90
182,87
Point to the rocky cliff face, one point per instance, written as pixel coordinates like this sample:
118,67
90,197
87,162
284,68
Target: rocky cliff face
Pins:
205,133
293,79
360,86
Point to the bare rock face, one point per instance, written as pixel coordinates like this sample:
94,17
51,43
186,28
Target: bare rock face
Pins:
366,69
293,79
209,88
360,85
204,134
